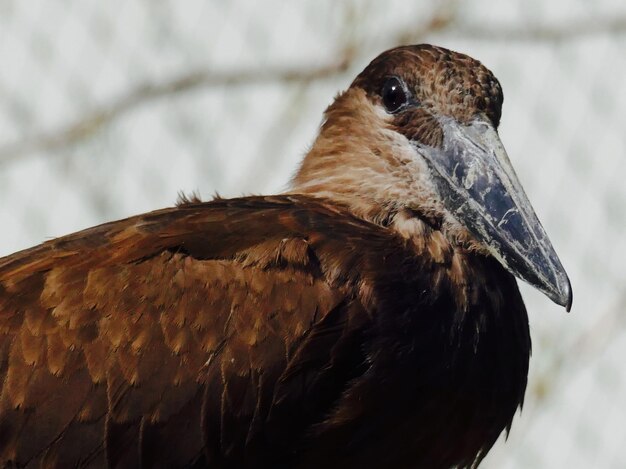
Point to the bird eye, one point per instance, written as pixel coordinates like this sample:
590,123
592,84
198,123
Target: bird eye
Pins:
394,94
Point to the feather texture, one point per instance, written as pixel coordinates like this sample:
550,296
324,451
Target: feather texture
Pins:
249,332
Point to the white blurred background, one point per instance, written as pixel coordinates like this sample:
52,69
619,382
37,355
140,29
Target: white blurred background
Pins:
108,109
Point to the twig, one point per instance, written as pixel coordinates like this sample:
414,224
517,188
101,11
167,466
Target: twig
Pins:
541,33
93,121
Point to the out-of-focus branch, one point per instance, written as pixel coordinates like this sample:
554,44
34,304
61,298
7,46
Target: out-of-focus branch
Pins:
444,23
94,120
541,33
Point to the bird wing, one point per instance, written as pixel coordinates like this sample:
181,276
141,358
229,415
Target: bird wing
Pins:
186,333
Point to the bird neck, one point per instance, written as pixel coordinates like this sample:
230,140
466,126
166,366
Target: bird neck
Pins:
354,161
360,162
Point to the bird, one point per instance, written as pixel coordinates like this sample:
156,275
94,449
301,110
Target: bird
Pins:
367,316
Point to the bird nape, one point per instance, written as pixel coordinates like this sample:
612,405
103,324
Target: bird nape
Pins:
368,317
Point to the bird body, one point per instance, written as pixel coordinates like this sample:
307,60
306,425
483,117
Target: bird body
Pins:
354,321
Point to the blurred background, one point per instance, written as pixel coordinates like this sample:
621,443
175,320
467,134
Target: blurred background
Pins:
109,109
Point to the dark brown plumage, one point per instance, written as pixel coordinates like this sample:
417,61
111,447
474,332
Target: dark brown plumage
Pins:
345,324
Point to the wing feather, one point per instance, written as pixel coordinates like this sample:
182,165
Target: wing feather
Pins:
184,335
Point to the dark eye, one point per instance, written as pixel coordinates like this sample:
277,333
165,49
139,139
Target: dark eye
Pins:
394,94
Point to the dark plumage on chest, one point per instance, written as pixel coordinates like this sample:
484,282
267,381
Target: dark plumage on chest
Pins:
447,353
460,373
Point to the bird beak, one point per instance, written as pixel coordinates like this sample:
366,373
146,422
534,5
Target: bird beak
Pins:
480,189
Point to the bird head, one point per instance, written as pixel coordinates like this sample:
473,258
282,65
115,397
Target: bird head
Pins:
415,136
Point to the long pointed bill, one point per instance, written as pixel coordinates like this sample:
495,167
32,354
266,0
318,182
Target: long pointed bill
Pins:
481,190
